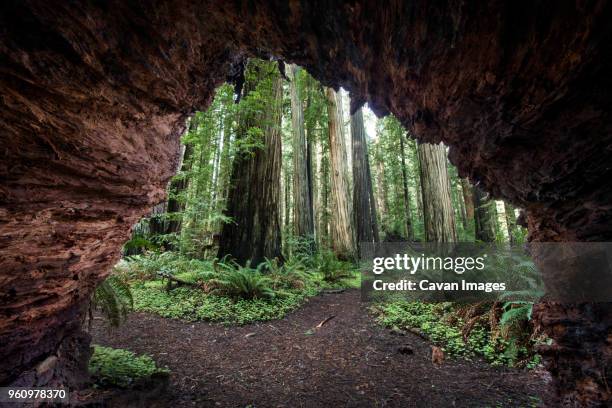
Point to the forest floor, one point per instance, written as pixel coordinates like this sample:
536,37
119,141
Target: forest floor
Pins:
348,361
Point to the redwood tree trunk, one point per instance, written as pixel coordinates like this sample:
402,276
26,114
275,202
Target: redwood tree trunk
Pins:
364,207
342,240
302,199
483,217
254,197
409,228
438,213
468,199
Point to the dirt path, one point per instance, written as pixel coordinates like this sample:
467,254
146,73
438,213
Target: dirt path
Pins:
350,361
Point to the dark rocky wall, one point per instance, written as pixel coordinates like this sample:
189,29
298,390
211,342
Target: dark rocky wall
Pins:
94,97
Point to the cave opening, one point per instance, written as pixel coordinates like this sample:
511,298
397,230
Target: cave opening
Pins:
92,115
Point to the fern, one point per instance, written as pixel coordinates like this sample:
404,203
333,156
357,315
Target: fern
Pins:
113,298
242,283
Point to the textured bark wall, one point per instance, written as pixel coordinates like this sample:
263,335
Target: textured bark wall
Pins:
94,95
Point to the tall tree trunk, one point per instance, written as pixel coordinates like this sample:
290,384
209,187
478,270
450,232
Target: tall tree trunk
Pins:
364,207
438,213
459,195
325,193
302,200
224,167
176,203
383,201
373,212
510,221
342,237
287,200
315,174
468,199
484,217
254,198
407,206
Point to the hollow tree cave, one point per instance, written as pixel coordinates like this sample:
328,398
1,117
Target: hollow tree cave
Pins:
95,96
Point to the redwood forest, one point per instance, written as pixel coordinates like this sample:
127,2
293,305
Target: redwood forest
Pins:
305,204
280,180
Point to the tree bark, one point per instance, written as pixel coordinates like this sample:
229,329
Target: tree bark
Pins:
483,217
383,201
254,198
438,213
364,207
342,237
302,200
461,201
468,199
409,228
510,220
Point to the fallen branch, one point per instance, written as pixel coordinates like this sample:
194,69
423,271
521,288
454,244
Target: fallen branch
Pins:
318,326
177,281
332,291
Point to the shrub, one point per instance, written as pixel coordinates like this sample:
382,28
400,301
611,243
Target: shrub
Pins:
111,367
332,269
469,330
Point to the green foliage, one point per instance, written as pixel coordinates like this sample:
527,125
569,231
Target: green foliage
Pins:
239,282
113,298
229,293
140,244
332,269
111,367
507,341
149,265
193,304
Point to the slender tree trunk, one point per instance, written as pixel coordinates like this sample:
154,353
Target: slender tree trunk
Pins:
373,213
342,237
510,221
409,228
468,199
315,173
325,193
483,217
224,167
254,198
460,200
287,201
383,201
302,203
364,207
438,212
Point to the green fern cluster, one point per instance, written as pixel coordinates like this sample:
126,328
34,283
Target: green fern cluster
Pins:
503,335
223,291
239,282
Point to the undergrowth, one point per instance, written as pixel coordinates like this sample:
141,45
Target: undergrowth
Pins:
222,291
500,333
111,367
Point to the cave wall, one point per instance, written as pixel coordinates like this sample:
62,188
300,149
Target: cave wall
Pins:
94,97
